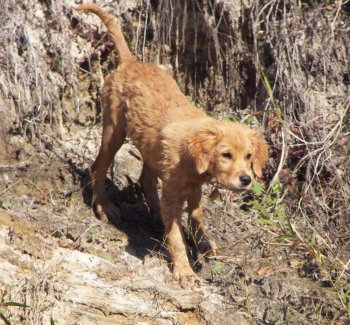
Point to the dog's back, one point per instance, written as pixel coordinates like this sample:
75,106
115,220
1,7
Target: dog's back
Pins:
151,100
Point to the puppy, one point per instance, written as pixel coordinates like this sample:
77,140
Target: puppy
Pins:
179,144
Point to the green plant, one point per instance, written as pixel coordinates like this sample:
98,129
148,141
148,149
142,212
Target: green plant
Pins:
5,313
22,142
271,211
8,203
72,202
342,293
216,268
94,233
248,120
232,118
344,298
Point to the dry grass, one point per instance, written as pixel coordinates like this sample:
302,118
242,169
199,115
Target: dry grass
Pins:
309,43
37,64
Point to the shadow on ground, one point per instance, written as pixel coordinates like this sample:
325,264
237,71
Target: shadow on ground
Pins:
145,235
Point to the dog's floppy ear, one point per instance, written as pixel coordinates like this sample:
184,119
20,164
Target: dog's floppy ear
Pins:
260,154
201,146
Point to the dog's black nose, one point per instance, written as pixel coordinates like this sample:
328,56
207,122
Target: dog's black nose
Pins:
245,179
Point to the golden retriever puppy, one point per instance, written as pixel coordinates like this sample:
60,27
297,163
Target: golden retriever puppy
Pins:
179,144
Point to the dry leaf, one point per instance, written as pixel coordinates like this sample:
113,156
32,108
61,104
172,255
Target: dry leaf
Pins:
295,264
263,270
24,271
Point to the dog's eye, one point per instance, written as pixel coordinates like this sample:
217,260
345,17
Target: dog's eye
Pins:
248,156
227,155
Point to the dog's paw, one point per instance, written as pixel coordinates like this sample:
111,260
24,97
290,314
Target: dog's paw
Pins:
186,277
109,213
189,281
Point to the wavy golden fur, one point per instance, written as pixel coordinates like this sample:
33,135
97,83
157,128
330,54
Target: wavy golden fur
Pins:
179,144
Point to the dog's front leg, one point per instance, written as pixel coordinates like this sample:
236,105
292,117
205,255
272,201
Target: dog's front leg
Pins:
171,210
196,223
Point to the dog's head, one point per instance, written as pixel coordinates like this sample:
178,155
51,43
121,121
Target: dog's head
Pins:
230,152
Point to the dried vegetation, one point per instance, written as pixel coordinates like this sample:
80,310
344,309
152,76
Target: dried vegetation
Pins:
281,64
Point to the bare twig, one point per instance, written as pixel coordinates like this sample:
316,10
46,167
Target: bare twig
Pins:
20,165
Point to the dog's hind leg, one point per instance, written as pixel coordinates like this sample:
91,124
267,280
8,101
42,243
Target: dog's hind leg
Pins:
149,182
113,137
196,224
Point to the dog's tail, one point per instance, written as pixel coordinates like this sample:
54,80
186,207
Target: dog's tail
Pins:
114,31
